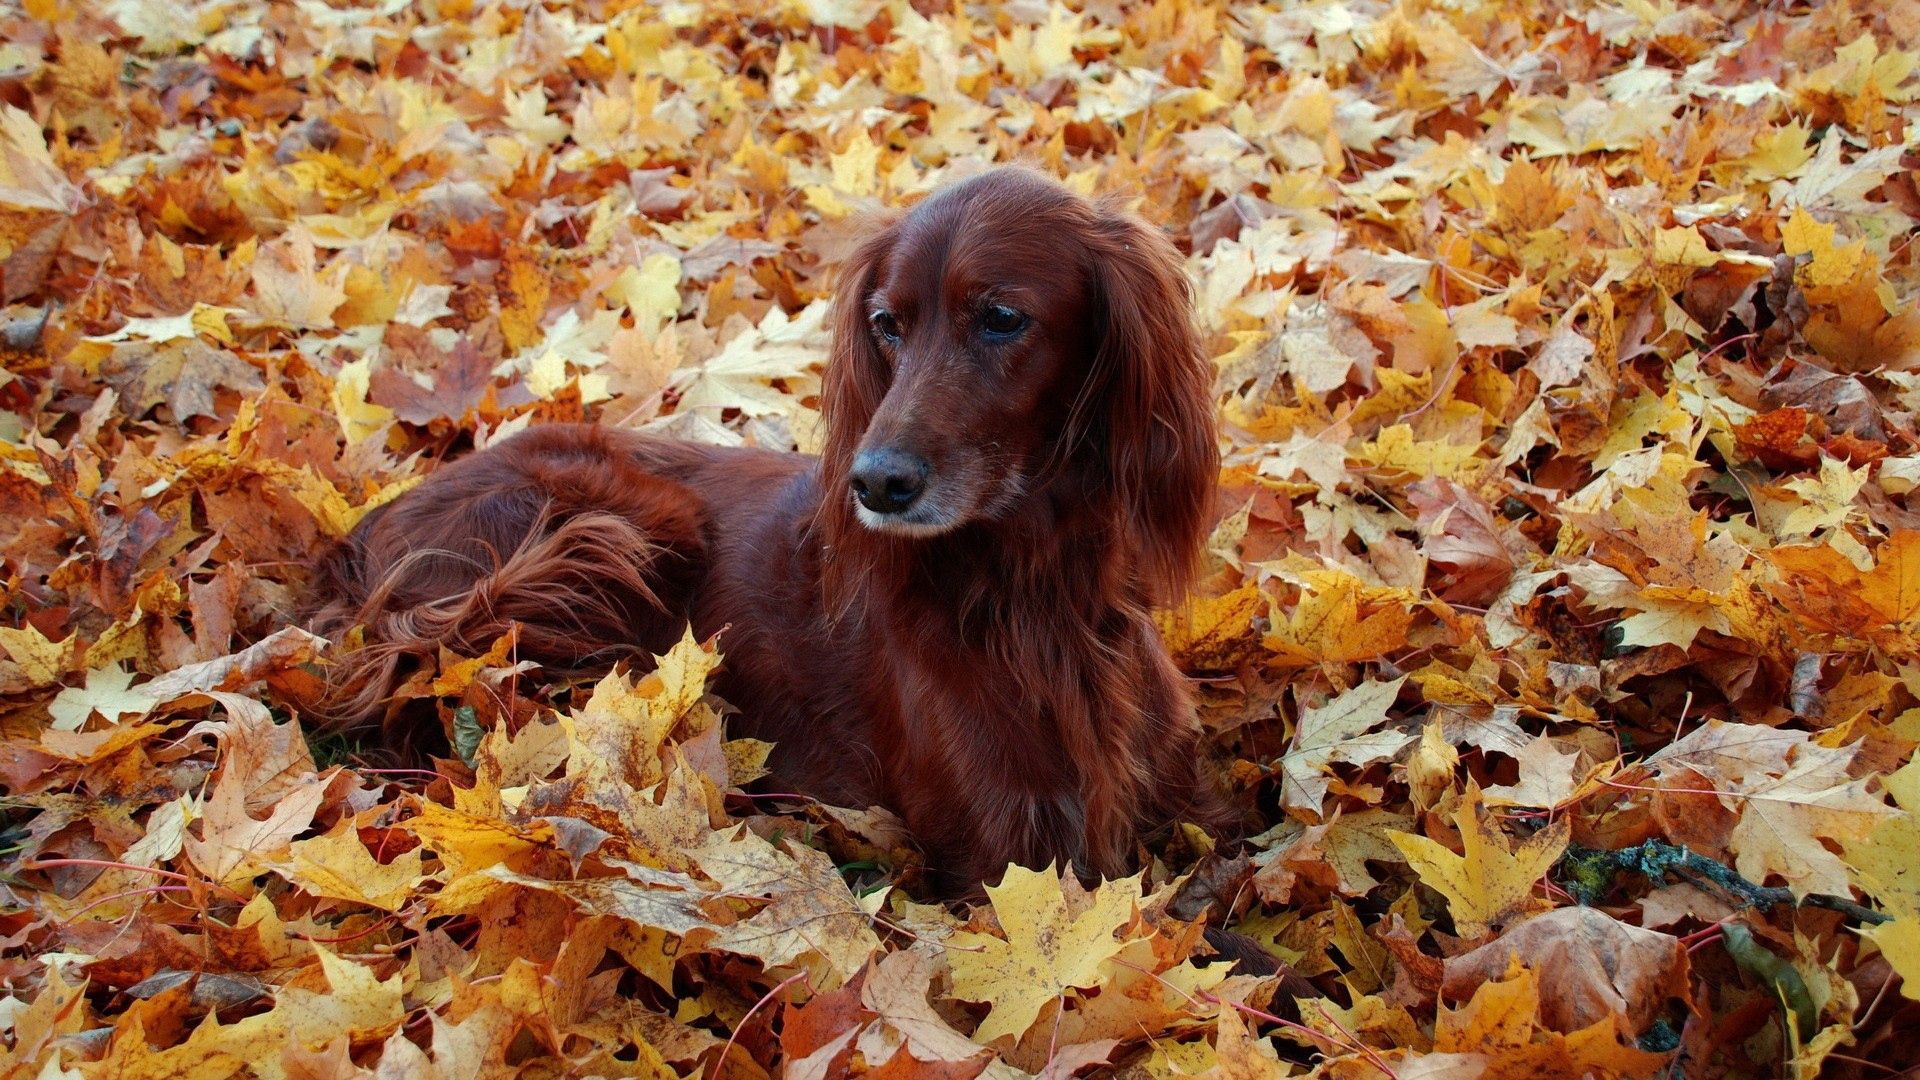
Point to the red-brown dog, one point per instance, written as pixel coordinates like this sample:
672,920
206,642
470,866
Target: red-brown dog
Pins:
947,612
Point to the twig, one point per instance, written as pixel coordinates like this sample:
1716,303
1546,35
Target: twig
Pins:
1365,1050
1655,860
150,889
42,864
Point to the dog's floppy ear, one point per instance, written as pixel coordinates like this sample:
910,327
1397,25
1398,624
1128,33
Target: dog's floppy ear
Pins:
1159,411
857,375
855,382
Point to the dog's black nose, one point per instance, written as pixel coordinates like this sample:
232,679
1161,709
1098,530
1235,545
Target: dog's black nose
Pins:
888,480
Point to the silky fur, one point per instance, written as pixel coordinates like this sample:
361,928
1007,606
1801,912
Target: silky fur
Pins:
984,665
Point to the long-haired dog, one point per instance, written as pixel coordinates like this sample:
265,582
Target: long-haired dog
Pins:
948,611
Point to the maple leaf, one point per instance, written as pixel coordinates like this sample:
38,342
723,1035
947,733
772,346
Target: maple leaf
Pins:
457,386
1339,848
209,1050
359,417
1238,1053
740,376
1691,589
1320,458
288,287
896,990
1338,730
1215,633
284,649
1826,587
1501,1025
1788,792
1396,450
655,899
650,291
618,735
1327,626
36,660
1491,881
106,692
1786,816
1548,776
1827,500
339,865
357,1003
1144,992
1590,968
1887,861
1055,941
810,917
232,844
29,177
1463,536
183,373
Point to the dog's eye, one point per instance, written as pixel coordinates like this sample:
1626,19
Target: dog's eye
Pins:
885,326
1001,321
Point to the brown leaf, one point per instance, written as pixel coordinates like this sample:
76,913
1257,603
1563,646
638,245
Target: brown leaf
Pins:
185,375
1592,967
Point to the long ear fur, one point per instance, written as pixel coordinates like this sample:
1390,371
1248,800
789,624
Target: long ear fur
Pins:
1159,424
852,388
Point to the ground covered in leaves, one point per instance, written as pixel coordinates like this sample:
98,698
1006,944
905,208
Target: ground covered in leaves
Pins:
1560,624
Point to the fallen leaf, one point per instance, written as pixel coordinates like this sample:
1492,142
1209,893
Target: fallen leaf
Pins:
1491,882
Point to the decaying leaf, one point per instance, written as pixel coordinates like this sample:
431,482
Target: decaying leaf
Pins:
1565,368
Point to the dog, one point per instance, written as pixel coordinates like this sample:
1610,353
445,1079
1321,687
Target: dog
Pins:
948,611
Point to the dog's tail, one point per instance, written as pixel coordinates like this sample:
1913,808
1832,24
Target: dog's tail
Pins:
579,591
556,535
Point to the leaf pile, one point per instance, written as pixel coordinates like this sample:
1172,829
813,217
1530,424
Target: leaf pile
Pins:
1560,628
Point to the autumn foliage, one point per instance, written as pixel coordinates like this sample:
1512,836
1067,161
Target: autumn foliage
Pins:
1559,627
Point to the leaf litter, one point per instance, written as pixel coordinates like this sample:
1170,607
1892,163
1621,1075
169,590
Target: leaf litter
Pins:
1560,629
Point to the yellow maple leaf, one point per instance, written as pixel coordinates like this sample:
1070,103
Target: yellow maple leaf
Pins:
1050,947
651,291
359,418
468,843
1491,881
1780,153
1031,53
1887,865
1215,633
1829,265
1396,450
618,736
339,865
106,692
358,1004
1827,500
547,375
288,286
856,172
41,661
1326,627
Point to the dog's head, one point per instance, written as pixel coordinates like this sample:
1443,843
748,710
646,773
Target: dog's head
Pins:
1002,334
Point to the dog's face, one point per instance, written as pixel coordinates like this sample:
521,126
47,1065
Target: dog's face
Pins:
1003,336
980,311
